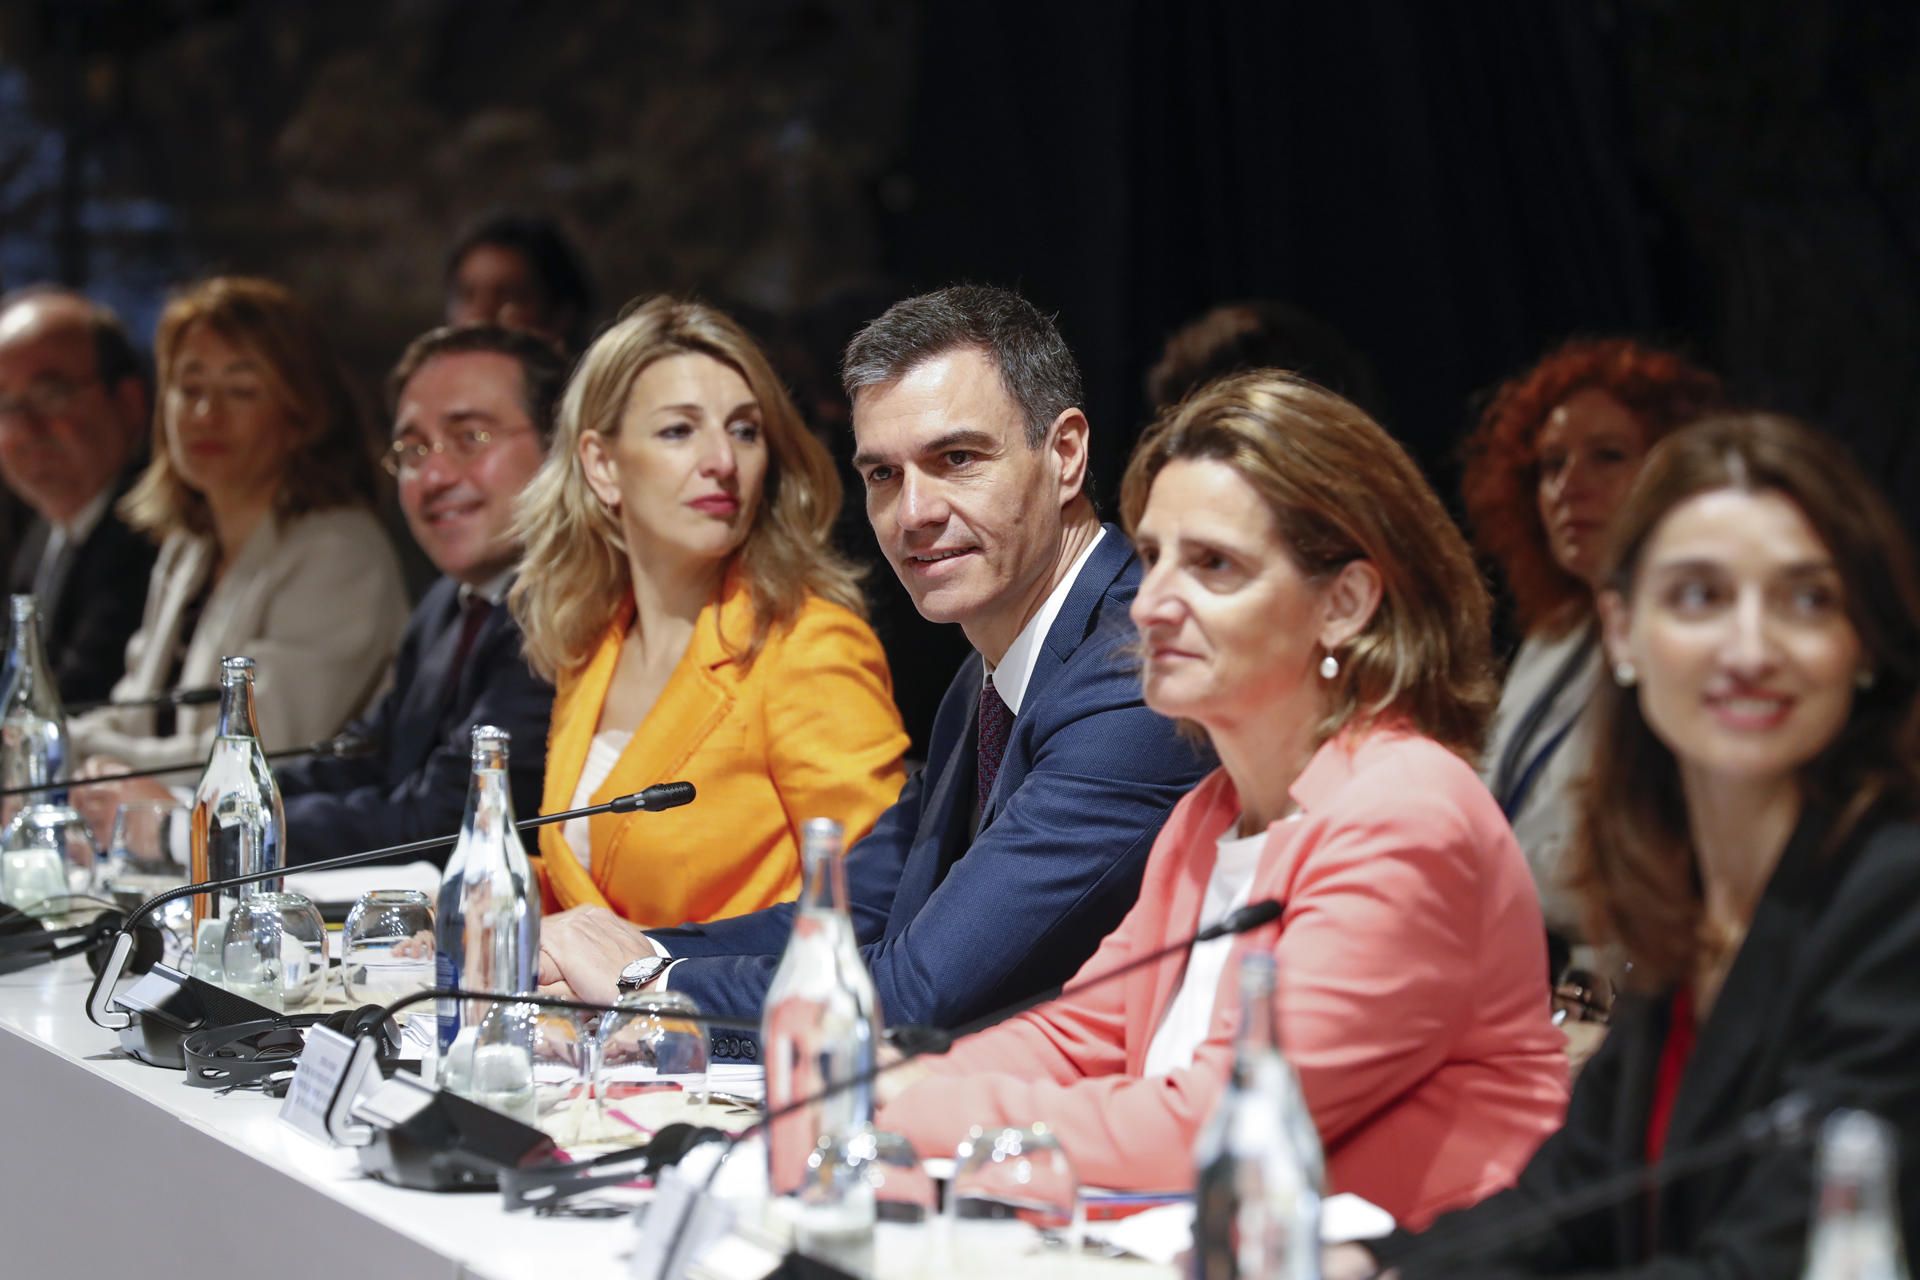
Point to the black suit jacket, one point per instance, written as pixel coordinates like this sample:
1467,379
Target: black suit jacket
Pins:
99,607
414,784
1823,999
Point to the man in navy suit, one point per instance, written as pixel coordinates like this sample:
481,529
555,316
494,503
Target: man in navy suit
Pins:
472,410
1022,842
73,416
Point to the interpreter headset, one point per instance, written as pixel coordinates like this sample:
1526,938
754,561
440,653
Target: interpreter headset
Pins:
243,1055
26,942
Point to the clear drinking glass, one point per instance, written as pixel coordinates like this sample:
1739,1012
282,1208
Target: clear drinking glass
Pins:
46,853
139,844
1007,1185
386,950
491,1061
274,952
903,1190
652,1037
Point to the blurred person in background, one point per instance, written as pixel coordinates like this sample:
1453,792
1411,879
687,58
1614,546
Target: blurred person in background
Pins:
74,409
521,271
1748,841
1261,334
260,493
1550,462
679,589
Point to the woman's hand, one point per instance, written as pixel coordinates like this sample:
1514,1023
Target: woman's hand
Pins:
98,804
583,950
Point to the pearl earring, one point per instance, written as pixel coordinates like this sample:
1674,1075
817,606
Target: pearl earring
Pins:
1329,667
1624,674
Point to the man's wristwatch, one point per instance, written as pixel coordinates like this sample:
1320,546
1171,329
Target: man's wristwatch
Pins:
637,975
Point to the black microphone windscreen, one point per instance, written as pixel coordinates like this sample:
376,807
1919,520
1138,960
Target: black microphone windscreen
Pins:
666,795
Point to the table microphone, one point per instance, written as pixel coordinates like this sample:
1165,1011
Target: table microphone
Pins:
199,697
164,1006
413,1135
1790,1121
917,1042
339,748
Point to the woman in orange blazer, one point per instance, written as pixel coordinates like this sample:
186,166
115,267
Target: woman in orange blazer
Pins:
1309,604
679,590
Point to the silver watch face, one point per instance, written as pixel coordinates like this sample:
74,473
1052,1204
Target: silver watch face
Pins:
642,971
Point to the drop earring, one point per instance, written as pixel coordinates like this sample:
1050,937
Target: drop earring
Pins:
1624,674
1329,667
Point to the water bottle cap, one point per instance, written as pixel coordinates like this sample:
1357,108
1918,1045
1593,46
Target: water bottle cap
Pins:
488,735
235,668
24,606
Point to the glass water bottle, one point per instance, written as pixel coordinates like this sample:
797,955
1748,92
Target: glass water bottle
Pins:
1259,1167
238,824
821,1027
1856,1228
487,938
33,725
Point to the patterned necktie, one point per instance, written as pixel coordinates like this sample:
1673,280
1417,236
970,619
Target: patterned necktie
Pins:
995,721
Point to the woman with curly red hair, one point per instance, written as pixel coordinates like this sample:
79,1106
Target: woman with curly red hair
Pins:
1552,458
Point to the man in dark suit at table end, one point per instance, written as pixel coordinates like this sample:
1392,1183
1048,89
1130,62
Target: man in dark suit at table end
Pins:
1001,867
472,414
74,409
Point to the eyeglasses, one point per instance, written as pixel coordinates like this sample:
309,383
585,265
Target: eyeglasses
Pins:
405,457
45,399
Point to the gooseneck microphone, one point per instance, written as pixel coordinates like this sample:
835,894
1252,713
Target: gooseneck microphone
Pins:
920,1041
1789,1122
340,748
413,1135
157,1012
200,697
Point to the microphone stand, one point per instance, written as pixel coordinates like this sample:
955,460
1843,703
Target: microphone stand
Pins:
336,748
429,1139
165,1005
1788,1121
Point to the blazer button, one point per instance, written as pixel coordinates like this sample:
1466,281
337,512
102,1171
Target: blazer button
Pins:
752,1049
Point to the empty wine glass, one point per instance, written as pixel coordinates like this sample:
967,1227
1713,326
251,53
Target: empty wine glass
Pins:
1007,1185
140,843
46,854
274,951
650,1038
386,949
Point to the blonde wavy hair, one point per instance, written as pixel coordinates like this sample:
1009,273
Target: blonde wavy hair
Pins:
573,577
1341,489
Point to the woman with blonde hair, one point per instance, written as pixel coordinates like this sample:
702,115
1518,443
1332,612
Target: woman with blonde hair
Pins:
260,493
1309,605
679,589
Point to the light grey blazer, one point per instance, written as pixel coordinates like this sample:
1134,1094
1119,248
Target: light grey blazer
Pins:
316,601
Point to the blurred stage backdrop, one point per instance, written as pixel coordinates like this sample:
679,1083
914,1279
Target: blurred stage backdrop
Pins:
1455,186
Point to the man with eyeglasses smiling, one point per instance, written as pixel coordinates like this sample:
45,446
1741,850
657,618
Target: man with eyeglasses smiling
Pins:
73,413
472,413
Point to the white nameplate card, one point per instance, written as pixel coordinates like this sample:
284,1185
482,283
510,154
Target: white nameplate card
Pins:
322,1062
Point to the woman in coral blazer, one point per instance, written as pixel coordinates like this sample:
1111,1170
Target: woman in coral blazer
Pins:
679,589
1331,639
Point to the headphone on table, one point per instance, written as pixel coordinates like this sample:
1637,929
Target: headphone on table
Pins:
26,942
243,1055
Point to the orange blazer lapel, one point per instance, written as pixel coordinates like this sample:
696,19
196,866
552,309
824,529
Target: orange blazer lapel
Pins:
693,704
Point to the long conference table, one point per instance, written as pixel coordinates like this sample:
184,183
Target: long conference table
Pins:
113,1167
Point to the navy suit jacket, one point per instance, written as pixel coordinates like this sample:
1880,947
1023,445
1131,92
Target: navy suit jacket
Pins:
955,923
414,783
85,629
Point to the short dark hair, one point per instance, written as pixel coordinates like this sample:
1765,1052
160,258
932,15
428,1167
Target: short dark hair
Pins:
543,367
1261,334
555,261
1035,366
